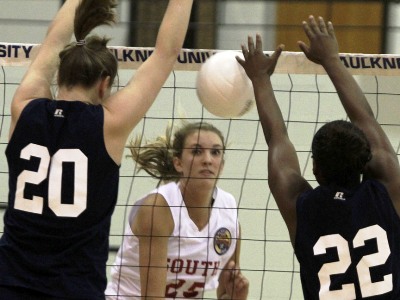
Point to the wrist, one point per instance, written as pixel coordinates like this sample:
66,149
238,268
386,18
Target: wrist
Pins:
331,62
261,80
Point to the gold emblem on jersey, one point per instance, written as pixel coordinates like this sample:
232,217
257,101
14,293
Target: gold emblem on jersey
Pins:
222,241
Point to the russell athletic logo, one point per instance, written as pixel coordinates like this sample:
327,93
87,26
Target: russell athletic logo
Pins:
339,196
59,113
222,241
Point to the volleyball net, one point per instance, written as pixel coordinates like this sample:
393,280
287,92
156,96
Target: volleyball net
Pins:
307,99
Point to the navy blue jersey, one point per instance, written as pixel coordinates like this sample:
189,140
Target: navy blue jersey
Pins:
62,192
348,243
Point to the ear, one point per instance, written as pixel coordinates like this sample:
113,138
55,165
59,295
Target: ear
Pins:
314,166
104,87
315,169
177,164
317,173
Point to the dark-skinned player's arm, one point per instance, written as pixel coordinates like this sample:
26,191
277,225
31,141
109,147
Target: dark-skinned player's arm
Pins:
324,50
284,174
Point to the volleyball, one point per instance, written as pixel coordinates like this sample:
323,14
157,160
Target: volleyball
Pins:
223,87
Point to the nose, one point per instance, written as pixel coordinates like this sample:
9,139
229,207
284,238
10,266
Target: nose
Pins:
207,157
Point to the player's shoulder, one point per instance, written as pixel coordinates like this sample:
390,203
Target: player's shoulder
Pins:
224,198
36,103
372,186
168,190
167,193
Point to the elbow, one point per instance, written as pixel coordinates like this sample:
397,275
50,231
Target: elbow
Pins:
168,57
168,46
174,52
169,52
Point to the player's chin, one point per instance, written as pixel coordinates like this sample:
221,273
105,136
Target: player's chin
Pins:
207,179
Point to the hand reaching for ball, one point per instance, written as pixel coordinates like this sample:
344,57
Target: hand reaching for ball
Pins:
256,64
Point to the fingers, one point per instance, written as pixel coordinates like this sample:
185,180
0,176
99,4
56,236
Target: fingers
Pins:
235,283
250,43
250,49
231,269
313,24
321,24
245,55
331,31
247,50
312,27
303,47
255,62
240,61
241,287
241,282
259,45
244,50
226,274
307,30
278,52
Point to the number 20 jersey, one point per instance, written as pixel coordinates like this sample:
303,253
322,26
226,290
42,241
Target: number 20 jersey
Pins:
62,192
348,243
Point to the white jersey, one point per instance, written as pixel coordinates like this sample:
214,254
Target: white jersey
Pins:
195,258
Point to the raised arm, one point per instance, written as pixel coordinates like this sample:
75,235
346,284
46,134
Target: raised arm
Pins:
128,106
39,76
323,49
284,175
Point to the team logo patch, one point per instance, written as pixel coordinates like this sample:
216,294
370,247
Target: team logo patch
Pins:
222,241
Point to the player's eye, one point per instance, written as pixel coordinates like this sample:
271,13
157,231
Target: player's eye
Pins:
196,151
216,152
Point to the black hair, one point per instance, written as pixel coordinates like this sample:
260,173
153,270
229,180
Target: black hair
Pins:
340,151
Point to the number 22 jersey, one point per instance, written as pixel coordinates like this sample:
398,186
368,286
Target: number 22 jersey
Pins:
348,243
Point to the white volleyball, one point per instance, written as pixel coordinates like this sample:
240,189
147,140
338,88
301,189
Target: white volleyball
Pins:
223,87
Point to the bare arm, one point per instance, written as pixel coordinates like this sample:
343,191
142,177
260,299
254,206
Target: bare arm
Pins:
232,283
284,175
37,80
153,225
323,49
128,106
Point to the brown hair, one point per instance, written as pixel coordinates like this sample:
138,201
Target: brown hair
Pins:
86,61
156,157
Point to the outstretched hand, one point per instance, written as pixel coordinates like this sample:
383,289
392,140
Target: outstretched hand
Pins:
235,283
323,44
256,63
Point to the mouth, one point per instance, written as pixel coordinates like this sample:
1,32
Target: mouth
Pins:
207,173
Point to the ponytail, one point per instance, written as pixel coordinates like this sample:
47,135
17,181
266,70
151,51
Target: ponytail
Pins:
88,59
